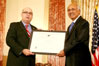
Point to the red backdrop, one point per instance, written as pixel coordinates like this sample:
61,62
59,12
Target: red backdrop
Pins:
2,22
57,22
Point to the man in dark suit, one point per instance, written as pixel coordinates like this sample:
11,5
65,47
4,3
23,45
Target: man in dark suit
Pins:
76,46
17,39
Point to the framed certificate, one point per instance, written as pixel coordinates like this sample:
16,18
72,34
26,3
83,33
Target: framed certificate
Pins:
47,42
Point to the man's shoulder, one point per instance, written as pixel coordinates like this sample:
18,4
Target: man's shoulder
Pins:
15,23
82,20
33,27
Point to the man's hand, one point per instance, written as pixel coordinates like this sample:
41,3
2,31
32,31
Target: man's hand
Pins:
61,54
27,52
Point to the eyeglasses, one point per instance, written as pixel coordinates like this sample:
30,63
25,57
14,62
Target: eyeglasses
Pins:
25,12
73,9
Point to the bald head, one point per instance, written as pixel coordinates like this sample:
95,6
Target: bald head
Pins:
75,5
27,15
27,9
73,11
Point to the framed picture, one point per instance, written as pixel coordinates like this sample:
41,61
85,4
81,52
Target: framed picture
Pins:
47,42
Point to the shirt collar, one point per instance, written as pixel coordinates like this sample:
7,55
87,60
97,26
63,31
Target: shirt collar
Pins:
24,23
76,19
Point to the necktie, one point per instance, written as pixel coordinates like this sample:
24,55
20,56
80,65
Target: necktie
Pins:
27,30
72,24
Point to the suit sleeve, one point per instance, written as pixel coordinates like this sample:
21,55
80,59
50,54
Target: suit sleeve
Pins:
79,38
11,40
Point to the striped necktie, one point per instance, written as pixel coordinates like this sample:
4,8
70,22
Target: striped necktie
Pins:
72,24
26,26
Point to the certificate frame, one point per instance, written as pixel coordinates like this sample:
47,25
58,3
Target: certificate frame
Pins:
47,42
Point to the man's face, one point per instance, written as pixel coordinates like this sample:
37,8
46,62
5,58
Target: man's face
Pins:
73,11
27,15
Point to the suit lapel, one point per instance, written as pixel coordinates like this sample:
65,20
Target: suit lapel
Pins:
74,27
31,27
23,28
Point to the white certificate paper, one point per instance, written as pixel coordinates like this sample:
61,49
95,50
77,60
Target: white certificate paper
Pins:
48,42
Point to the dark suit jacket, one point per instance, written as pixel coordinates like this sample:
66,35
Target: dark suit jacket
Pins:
76,44
17,39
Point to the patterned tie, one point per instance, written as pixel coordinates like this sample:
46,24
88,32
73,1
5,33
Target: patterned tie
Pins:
72,24
27,30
